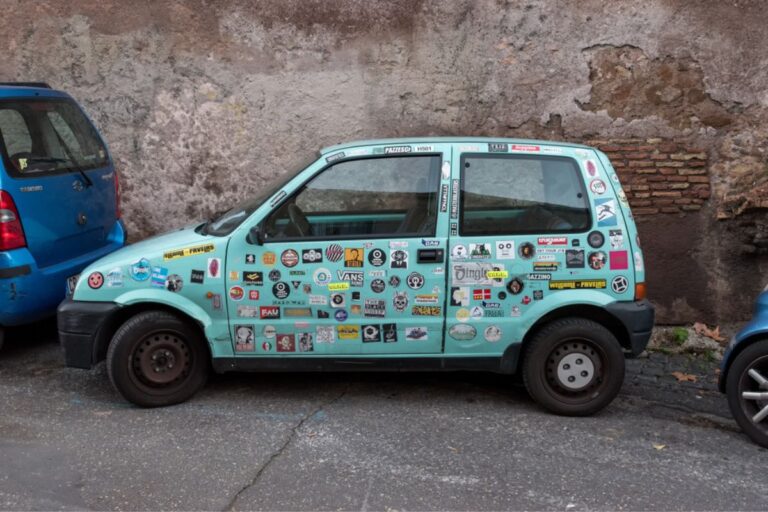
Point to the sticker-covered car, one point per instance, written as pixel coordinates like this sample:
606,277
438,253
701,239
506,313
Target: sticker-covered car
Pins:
421,254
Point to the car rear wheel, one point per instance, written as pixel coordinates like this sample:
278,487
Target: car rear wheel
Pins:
157,359
747,389
574,367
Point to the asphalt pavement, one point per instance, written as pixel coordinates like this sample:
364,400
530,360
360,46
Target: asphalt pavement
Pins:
366,442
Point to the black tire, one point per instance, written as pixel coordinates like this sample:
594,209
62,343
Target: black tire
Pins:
739,381
157,359
573,366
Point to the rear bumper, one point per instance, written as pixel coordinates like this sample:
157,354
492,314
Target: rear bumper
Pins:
637,318
29,293
79,325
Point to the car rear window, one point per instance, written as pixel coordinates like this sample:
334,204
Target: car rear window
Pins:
43,136
518,194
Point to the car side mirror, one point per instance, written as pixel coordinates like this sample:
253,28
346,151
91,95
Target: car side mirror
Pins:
254,236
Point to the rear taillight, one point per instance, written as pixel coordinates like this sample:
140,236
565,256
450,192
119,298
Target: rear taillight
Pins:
640,291
11,232
118,213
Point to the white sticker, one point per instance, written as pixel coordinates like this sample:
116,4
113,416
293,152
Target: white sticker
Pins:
505,250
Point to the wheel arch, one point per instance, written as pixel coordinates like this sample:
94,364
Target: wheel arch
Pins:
111,324
590,312
737,349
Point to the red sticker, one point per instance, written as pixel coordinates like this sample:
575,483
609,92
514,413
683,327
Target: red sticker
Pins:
236,293
553,240
286,343
289,258
527,149
619,260
253,294
95,280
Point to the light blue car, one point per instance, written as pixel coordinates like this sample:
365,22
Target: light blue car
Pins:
744,374
438,254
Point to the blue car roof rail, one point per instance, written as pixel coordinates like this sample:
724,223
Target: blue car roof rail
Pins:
42,85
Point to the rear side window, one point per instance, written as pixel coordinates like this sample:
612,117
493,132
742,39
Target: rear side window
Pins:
519,194
39,137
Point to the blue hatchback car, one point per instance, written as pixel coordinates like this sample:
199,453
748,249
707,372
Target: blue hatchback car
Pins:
744,374
59,200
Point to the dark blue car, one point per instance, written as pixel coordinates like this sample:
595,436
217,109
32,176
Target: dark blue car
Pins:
744,374
59,200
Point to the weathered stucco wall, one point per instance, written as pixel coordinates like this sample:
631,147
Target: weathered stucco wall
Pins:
203,100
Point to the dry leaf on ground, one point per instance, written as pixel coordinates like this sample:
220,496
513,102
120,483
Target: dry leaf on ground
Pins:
659,446
684,377
703,330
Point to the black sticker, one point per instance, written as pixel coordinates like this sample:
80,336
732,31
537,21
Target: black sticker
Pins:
595,239
444,198
502,295
515,286
455,199
378,285
312,256
415,280
397,150
538,294
526,250
274,275
575,242
281,290
197,276
355,295
377,257
394,281
322,314
371,333
250,259
390,333
254,278
497,147
296,284
399,259
574,258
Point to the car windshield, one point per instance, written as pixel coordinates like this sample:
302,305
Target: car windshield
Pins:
47,136
224,224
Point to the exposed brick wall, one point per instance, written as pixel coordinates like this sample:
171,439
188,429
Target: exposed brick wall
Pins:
659,175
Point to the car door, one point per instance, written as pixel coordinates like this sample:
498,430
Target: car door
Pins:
351,262
521,221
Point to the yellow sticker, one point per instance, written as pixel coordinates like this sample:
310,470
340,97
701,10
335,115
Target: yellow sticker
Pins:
233,275
462,315
188,251
497,274
22,163
348,332
578,285
336,287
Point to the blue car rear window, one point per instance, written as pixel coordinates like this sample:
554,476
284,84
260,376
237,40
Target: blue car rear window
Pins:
48,136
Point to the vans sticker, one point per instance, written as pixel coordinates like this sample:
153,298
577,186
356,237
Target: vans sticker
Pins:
606,212
244,338
597,260
619,260
188,251
353,277
593,284
141,270
505,250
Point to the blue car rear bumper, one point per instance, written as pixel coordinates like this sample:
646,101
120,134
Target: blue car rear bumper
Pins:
29,293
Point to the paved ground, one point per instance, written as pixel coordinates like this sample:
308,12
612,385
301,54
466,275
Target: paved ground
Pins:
366,442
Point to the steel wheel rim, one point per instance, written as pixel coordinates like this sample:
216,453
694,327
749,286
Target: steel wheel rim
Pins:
753,393
161,360
571,383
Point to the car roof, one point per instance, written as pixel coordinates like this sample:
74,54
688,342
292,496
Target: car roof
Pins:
29,89
445,140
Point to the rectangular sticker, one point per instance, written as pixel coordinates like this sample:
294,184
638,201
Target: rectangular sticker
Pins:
188,251
455,199
578,285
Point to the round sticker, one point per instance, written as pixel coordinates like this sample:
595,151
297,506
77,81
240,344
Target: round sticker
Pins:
378,285
394,281
462,315
340,315
322,276
275,275
619,284
281,290
268,258
236,293
415,280
334,252
502,295
459,251
377,257
597,187
492,334
289,258
515,286
95,280
174,283
269,331
266,346
596,239
596,260
141,270
462,332
527,250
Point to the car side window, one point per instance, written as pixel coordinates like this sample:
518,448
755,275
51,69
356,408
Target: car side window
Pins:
15,132
367,197
518,194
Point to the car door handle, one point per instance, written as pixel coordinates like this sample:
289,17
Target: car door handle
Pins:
430,256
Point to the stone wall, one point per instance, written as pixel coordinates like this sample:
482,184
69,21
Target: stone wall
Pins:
201,101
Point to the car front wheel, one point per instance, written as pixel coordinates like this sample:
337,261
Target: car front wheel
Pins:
157,359
573,366
747,389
